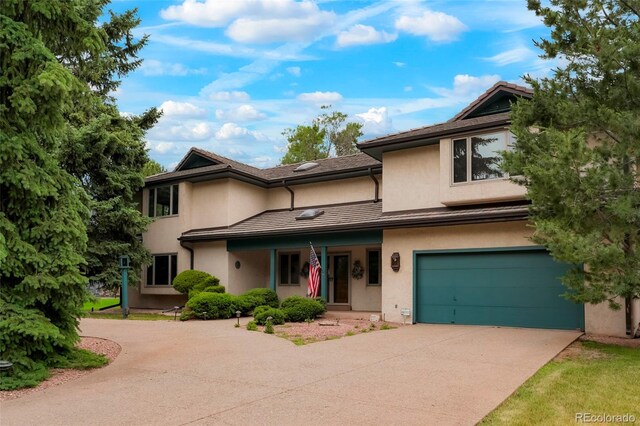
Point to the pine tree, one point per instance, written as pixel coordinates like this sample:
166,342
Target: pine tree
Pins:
42,213
578,143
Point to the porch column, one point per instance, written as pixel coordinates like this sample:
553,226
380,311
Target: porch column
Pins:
272,270
324,282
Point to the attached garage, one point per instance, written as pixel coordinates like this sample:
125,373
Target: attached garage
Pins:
502,287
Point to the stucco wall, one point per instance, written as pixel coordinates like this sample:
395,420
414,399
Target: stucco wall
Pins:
314,194
244,200
397,287
599,319
253,271
212,257
410,179
209,204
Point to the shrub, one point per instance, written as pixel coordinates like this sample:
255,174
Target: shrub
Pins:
277,315
268,327
299,309
189,280
252,326
265,296
213,305
247,304
215,289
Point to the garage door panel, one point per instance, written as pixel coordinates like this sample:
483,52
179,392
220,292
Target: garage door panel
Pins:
506,288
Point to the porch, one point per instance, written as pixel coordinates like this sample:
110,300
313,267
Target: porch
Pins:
350,278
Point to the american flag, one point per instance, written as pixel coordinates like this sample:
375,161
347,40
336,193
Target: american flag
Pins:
314,275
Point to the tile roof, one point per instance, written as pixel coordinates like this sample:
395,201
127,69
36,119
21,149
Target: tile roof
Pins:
438,130
327,166
353,216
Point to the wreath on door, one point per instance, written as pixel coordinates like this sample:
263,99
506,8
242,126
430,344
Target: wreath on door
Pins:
357,271
304,272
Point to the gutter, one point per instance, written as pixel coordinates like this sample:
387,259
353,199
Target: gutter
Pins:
376,196
285,186
182,244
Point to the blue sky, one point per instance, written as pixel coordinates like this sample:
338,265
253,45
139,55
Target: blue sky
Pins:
231,75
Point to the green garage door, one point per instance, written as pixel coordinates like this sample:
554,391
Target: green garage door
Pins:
519,288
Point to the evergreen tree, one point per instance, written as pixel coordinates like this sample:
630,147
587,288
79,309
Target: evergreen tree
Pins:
578,143
42,214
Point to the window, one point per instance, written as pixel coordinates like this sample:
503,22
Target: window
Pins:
477,157
373,267
162,270
163,201
289,269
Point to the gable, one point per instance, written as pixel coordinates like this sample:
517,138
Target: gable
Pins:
496,100
194,160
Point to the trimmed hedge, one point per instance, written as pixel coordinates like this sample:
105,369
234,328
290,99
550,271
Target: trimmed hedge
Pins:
192,279
213,305
215,289
261,314
299,309
260,296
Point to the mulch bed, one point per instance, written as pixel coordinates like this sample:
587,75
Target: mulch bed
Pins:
325,329
104,347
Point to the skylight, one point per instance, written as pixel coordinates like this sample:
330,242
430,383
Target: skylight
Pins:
309,214
306,166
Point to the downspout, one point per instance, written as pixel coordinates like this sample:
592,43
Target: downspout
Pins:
284,183
376,197
182,244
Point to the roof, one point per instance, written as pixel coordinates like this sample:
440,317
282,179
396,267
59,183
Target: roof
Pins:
491,109
354,216
501,86
333,168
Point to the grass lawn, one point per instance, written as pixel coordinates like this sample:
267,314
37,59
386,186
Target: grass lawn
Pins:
100,303
132,316
589,378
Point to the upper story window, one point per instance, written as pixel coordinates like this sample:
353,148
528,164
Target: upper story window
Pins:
478,157
163,201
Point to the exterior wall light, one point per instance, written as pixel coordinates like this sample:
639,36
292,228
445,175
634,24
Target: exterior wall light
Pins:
395,262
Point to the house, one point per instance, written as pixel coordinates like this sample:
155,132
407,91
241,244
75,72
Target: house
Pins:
440,232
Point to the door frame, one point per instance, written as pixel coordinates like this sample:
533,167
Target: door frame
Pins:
330,281
416,253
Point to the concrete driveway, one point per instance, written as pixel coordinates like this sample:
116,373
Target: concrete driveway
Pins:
173,373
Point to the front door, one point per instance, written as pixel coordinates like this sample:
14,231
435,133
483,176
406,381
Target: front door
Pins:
339,278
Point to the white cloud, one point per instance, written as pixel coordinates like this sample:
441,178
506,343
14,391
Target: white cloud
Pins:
376,121
167,130
185,109
363,34
512,56
153,67
163,147
233,96
240,113
294,71
436,26
255,21
231,131
320,97
465,85
399,64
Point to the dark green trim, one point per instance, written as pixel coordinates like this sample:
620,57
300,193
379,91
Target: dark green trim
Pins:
324,274
299,241
478,250
272,269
